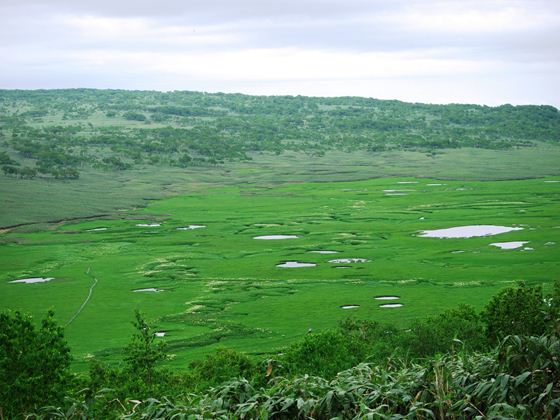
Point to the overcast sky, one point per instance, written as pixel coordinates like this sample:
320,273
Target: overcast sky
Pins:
486,51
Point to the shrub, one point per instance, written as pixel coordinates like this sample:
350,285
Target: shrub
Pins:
460,327
219,367
519,311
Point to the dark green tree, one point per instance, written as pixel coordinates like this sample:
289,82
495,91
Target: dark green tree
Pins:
34,363
143,353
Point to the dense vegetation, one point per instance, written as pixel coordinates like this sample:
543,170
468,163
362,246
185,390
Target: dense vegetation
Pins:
56,133
454,365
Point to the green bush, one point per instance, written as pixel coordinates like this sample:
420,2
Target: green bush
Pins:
327,353
519,311
455,328
219,367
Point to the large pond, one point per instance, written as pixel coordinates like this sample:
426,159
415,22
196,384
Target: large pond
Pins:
468,231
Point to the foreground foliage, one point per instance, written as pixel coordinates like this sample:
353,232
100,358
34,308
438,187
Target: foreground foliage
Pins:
454,373
517,379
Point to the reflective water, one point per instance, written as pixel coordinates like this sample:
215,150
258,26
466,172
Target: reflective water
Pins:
348,260
149,289
391,305
33,280
191,227
295,264
276,237
510,245
468,231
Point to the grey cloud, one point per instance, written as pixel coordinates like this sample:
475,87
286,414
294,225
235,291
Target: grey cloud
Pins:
39,36
207,10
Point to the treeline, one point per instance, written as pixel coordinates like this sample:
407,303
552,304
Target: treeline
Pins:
501,362
118,130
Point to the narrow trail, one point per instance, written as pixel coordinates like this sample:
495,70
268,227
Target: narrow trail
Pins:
85,301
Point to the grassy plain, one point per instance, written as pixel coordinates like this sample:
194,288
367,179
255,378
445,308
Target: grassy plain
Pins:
107,192
221,287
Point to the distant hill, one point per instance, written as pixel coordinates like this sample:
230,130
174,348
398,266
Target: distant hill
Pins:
56,133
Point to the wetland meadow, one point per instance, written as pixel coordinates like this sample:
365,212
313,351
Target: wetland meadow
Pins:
254,268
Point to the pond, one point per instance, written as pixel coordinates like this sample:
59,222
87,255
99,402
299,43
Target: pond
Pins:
276,237
509,245
149,289
348,260
397,191
191,227
391,305
148,225
468,231
349,306
33,280
295,264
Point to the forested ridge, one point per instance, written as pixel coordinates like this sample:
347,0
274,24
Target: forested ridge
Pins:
57,133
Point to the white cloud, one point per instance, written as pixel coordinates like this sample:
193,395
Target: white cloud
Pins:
487,19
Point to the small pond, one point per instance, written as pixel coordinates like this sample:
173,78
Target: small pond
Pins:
276,237
391,305
191,227
33,280
296,264
386,297
149,290
148,225
348,260
349,306
509,245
